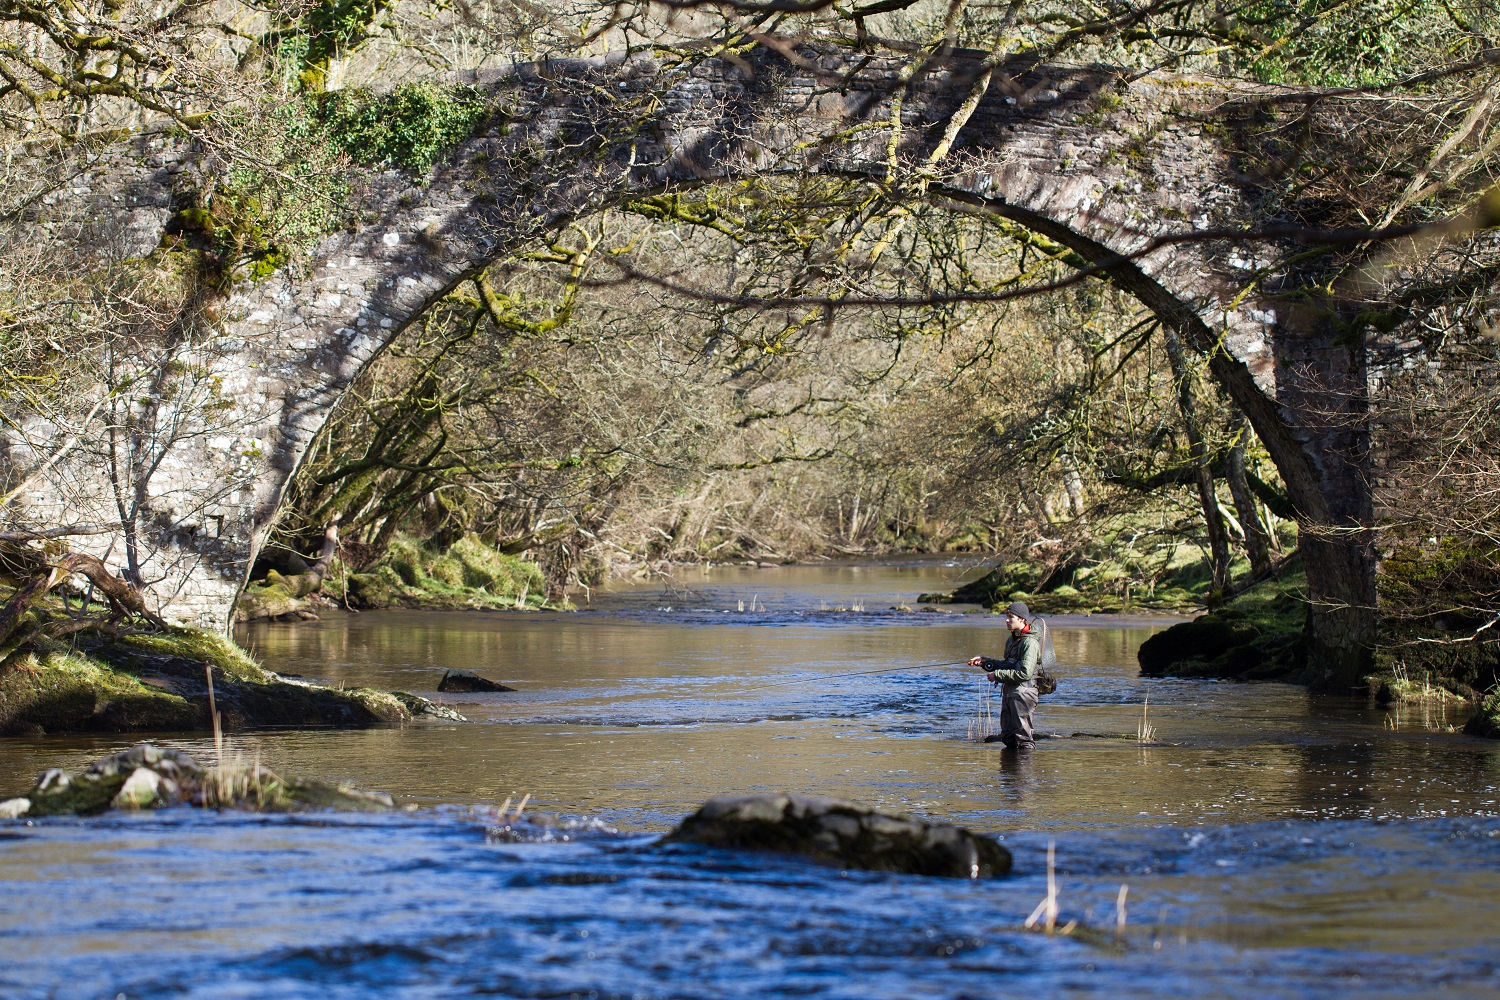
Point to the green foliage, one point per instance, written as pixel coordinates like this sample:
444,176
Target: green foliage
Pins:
470,574
412,127
259,216
326,31
1334,43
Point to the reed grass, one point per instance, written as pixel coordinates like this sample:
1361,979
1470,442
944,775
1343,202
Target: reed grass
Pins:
1145,732
1404,688
238,784
1044,917
1431,715
213,717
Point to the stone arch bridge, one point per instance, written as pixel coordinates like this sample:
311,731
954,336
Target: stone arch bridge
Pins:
1079,155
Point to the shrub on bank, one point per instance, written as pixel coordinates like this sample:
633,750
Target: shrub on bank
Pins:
468,574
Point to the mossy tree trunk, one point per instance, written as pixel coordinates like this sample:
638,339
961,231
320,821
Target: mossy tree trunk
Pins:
1317,432
1257,546
1208,498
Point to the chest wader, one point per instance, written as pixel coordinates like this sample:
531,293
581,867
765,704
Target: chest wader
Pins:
1017,702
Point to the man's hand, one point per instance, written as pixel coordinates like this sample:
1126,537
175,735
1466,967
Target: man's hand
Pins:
976,661
990,676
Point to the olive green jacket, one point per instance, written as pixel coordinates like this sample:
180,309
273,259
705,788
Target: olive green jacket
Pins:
1023,654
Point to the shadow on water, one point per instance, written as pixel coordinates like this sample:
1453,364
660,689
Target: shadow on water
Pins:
1272,843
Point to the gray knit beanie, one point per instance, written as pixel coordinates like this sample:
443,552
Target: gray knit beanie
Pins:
1018,609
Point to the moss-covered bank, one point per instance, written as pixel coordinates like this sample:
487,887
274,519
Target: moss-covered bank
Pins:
467,575
1179,580
1257,635
1442,666
159,681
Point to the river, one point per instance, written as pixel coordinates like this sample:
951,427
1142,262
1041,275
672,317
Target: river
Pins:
1273,842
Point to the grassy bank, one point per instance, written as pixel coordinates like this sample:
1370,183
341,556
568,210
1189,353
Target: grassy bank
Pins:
1112,574
468,574
160,682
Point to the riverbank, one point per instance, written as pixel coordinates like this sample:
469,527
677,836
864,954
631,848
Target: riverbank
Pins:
467,575
159,681
1097,584
1258,636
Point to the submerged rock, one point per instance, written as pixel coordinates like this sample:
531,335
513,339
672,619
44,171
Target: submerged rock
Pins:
421,708
467,681
841,833
151,777
322,795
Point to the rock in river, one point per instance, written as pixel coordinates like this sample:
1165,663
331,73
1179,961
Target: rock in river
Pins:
465,681
150,777
141,777
841,833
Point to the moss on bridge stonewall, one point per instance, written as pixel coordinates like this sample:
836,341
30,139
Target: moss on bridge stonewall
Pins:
412,127
158,682
255,223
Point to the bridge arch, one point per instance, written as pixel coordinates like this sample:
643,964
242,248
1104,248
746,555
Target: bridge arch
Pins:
1102,168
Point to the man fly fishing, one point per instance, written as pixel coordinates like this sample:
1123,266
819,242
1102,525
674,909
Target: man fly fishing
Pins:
1016,674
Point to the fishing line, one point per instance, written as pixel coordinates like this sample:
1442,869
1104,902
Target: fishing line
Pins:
863,673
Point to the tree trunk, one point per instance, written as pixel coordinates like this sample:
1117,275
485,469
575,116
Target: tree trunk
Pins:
1073,485
1257,545
1208,497
1317,432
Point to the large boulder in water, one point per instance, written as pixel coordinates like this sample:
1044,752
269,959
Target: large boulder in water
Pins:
1202,638
467,681
844,834
151,777
143,776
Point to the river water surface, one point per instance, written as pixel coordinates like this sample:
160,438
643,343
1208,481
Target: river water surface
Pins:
1272,843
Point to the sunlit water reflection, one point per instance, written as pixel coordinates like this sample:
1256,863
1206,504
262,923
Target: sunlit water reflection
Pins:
1273,843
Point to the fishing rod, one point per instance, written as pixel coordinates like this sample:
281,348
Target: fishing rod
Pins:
867,673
